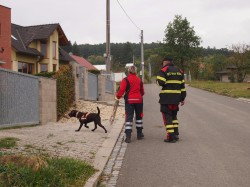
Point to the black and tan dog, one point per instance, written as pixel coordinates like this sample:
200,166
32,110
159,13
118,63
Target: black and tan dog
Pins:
85,118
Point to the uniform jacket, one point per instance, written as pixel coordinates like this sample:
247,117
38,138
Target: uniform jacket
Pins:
133,88
171,79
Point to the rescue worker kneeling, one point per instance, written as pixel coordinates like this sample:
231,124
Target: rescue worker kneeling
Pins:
173,92
133,88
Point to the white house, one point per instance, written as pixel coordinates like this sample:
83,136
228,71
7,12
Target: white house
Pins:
100,67
119,76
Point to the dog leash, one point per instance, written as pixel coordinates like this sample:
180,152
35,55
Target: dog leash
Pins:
112,118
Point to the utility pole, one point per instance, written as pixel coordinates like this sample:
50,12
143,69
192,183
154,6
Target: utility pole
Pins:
108,37
142,56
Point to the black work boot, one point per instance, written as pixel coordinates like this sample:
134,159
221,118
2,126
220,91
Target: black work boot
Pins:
176,132
176,137
140,135
128,136
171,138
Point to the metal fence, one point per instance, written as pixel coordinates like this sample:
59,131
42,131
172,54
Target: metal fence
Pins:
92,86
109,86
81,82
19,99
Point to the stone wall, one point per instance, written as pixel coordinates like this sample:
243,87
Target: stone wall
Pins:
102,94
47,100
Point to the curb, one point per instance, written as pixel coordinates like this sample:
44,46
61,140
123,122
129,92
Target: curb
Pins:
243,99
103,154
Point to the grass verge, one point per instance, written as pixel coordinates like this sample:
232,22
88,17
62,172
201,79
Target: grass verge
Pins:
229,89
8,142
21,170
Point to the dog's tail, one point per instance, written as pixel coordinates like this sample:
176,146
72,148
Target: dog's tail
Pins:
98,111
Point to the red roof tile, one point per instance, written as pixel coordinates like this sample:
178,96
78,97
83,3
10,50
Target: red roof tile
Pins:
83,62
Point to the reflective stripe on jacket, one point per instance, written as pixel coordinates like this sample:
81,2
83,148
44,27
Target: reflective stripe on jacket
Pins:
171,79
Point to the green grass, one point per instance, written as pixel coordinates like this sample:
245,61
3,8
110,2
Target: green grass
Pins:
8,142
55,172
229,89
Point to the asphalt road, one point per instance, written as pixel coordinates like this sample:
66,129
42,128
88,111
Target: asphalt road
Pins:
214,146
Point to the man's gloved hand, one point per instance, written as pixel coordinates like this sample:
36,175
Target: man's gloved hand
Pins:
116,98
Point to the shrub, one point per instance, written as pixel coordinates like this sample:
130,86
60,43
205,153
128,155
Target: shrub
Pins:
96,72
46,74
65,89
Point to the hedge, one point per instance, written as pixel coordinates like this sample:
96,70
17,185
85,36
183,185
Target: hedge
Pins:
65,89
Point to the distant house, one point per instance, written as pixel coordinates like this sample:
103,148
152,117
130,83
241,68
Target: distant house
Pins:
35,49
100,67
30,49
119,76
224,75
83,62
129,65
227,74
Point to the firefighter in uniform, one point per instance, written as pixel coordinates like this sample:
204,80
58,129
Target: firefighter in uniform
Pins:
173,92
133,88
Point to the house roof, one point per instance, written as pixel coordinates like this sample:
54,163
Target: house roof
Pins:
223,72
100,67
83,62
23,36
64,56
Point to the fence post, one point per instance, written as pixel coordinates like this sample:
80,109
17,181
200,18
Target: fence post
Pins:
47,100
101,87
85,83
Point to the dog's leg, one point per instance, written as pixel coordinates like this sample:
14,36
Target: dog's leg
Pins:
95,126
85,125
81,124
102,127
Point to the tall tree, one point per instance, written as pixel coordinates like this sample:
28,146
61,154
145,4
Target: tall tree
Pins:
181,40
75,49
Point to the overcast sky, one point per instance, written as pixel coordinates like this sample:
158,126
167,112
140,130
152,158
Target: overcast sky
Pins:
220,23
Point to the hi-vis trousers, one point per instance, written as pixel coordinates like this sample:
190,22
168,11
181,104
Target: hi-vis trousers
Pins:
130,109
169,115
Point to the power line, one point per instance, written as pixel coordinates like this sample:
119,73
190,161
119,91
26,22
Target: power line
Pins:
128,15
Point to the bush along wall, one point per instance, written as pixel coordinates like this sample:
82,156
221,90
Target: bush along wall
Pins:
65,89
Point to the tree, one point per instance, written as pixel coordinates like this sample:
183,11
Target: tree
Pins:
67,48
75,49
181,40
96,60
241,60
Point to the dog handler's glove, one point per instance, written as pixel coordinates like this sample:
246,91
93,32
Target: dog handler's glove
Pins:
116,98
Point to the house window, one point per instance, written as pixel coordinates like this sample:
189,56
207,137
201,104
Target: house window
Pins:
54,50
25,68
44,49
54,67
44,67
